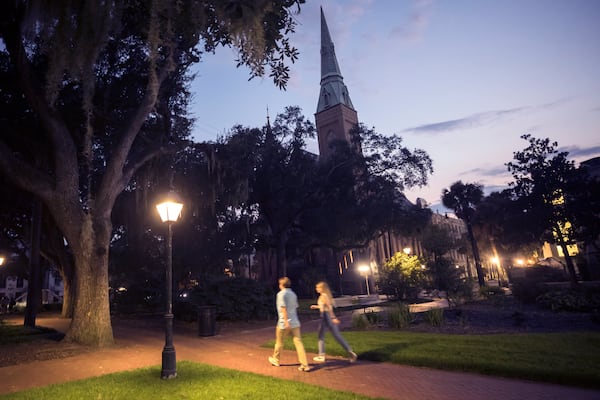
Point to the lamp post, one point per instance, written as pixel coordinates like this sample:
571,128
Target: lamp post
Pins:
364,270
169,210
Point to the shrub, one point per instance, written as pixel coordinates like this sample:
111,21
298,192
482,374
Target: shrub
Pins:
372,317
527,291
529,284
359,322
235,299
570,300
435,316
461,292
399,316
401,277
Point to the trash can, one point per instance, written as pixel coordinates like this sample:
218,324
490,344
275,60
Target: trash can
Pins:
207,320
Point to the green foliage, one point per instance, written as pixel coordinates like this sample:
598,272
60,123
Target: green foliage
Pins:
385,156
527,291
435,316
571,300
443,274
235,299
495,294
401,276
399,316
461,291
528,288
548,188
359,322
372,317
137,299
436,240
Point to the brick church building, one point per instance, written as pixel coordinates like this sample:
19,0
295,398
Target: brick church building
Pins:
334,118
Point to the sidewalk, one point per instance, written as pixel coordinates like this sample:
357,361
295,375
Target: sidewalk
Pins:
138,346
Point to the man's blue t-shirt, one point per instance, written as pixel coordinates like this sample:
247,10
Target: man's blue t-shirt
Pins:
288,299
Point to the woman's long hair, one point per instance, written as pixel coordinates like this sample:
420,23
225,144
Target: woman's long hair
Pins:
325,289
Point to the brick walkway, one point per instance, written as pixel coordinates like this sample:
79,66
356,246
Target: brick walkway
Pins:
140,346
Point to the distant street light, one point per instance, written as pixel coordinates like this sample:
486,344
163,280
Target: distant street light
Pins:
1,260
169,210
365,270
407,250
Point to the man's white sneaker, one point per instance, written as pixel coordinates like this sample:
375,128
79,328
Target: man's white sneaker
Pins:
353,356
304,368
274,362
320,359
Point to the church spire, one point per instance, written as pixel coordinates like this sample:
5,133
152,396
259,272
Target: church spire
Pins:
333,89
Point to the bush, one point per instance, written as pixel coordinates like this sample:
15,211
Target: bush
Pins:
235,299
401,277
372,317
461,292
399,316
137,298
435,316
527,291
570,300
359,322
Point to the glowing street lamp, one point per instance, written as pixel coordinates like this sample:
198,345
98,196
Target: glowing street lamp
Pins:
407,250
169,210
1,260
365,270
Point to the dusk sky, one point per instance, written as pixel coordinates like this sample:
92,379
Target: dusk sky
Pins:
461,79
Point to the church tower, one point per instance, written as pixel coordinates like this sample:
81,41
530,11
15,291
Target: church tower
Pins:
335,115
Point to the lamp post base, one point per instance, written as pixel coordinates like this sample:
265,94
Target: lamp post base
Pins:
169,364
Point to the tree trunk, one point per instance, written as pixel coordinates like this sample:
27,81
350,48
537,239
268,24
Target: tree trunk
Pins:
68,299
91,310
468,267
477,259
34,288
281,256
568,259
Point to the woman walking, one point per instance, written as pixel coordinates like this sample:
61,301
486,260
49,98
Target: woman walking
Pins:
325,305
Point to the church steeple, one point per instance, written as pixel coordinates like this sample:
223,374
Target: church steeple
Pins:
335,115
333,89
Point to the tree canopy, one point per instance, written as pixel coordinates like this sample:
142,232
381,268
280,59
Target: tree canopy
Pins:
547,185
97,90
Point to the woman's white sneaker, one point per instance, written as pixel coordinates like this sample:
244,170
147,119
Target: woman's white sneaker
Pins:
353,356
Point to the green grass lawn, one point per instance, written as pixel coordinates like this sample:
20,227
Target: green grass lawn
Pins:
563,358
10,334
194,381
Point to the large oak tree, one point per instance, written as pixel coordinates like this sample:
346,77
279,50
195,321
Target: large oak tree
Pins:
93,85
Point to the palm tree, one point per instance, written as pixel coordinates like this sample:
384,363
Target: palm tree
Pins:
463,199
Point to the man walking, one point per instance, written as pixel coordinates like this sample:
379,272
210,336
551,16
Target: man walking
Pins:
287,306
